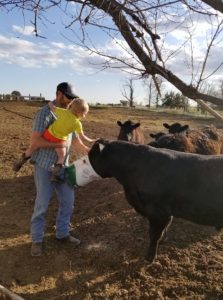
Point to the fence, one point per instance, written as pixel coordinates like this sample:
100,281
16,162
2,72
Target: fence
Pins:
12,97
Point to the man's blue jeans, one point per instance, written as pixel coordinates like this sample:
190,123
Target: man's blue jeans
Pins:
44,190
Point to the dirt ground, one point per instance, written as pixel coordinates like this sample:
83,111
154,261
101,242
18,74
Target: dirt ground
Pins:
109,263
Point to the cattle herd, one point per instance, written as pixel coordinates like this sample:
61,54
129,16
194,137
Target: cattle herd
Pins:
207,140
164,183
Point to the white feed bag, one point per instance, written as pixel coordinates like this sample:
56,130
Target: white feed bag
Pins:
80,172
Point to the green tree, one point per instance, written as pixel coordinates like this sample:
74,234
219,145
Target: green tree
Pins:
16,93
175,100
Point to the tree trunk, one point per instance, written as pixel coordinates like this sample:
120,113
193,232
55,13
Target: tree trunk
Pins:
8,295
209,109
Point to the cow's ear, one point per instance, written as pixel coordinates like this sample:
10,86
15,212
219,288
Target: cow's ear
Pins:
101,146
119,123
102,143
136,125
166,125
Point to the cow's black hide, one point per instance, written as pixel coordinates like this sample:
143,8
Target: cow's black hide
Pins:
161,183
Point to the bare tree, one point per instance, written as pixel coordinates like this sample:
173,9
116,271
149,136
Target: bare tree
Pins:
128,91
221,88
149,93
154,94
141,29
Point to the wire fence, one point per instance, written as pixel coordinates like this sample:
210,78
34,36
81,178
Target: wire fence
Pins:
13,97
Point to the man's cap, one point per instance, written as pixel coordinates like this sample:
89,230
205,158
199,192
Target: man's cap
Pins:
67,89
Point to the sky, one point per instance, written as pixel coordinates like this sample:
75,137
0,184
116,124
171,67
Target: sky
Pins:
34,65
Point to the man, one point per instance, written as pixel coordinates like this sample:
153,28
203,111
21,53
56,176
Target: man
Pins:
43,158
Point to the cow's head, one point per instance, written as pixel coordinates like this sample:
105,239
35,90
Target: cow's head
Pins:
126,130
176,127
99,159
158,135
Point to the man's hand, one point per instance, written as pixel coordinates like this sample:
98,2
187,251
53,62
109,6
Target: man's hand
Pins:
52,106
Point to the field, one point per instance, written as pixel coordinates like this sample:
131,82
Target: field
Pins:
109,263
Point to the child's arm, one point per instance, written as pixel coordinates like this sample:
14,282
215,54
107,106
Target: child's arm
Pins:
79,145
84,137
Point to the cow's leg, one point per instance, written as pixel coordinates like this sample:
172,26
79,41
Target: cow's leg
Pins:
157,225
164,234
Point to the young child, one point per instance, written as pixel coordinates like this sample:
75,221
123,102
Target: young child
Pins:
67,121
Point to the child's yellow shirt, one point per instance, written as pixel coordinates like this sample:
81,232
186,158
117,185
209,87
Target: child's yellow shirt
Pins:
65,124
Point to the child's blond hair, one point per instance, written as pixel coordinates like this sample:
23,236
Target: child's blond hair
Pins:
79,105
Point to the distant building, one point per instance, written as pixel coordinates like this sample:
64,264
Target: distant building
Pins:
16,96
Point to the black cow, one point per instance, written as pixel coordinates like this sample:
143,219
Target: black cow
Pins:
176,127
157,136
130,131
172,129
161,183
207,141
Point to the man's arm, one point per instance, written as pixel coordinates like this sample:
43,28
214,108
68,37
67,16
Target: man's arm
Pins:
41,122
37,141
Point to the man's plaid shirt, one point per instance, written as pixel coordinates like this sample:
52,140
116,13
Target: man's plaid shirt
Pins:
45,157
